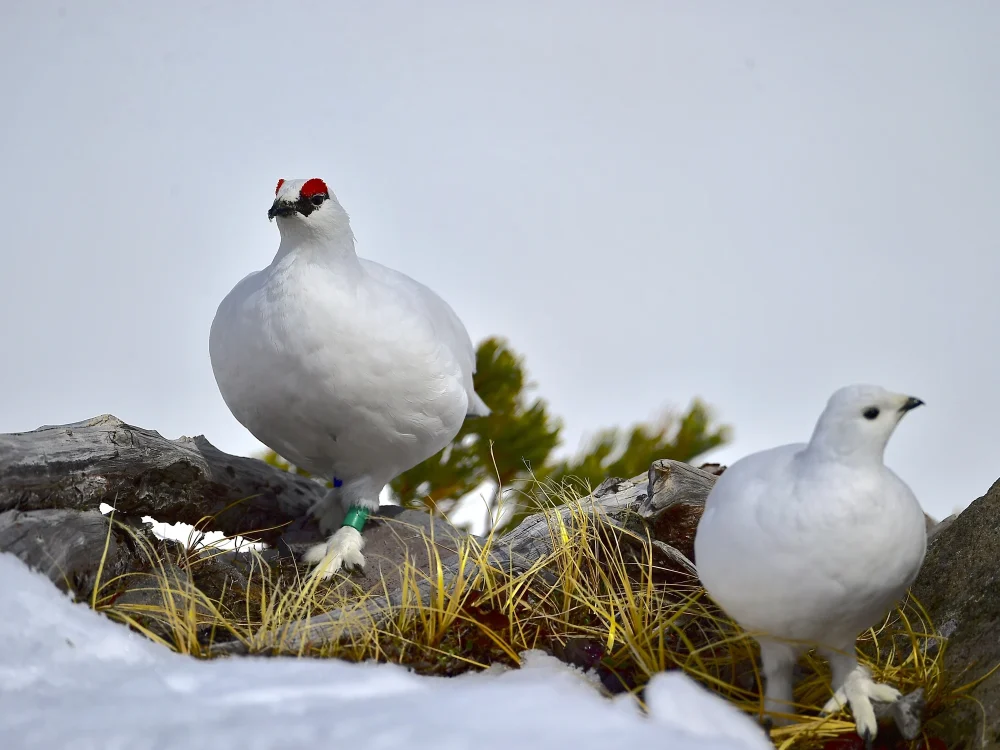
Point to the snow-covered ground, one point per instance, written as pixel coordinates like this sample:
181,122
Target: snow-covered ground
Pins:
70,678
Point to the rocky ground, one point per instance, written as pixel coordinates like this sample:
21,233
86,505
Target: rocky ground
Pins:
959,585
53,480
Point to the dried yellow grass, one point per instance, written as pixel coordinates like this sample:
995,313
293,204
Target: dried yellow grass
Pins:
596,587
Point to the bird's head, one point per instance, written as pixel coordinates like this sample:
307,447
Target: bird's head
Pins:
307,207
859,420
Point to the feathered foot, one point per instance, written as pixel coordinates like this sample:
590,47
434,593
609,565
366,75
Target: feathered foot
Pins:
858,692
342,550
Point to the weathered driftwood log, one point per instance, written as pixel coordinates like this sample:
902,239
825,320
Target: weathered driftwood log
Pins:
78,467
68,546
139,472
668,486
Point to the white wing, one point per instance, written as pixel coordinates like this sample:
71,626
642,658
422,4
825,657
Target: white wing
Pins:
445,322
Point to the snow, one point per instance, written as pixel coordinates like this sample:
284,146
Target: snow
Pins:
70,678
188,535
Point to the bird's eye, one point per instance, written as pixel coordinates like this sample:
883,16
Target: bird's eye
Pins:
318,199
870,413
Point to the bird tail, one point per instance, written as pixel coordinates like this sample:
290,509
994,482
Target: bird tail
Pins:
477,407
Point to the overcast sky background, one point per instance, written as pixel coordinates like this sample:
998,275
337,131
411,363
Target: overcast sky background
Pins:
754,203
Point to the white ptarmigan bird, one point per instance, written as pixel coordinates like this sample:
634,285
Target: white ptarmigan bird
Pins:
809,545
351,370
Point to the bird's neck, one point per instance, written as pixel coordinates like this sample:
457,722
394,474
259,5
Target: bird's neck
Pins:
330,244
827,447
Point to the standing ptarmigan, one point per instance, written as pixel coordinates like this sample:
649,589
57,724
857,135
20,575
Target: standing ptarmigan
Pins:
351,370
809,545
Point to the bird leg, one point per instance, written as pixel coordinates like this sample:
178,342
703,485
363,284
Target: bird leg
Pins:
856,688
329,511
777,661
343,549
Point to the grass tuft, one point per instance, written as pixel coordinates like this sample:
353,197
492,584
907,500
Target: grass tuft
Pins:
601,599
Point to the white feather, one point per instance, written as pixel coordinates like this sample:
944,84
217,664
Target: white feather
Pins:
344,367
811,544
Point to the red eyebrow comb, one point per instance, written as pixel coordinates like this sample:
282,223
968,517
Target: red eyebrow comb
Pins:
315,186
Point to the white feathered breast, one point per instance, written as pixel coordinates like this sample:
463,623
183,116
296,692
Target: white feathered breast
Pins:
364,374
801,556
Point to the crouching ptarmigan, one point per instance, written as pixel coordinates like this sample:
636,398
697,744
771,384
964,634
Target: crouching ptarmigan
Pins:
808,545
346,368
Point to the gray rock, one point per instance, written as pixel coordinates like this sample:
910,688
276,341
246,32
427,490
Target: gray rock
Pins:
159,600
959,585
937,527
145,590
908,714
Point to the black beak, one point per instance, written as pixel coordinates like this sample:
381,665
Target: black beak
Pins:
911,403
281,208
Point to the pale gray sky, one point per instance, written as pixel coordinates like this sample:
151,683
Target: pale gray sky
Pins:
754,203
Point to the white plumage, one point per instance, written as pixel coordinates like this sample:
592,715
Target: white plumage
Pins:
811,544
348,369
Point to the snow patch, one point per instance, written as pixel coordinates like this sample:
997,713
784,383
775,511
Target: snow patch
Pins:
70,678
187,535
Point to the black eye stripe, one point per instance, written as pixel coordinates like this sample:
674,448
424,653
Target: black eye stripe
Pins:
306,205
871,412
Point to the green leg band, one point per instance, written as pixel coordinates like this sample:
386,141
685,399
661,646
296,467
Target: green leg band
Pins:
356,518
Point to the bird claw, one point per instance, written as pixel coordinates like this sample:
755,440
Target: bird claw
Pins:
858,692
835,704
884,693
342,550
